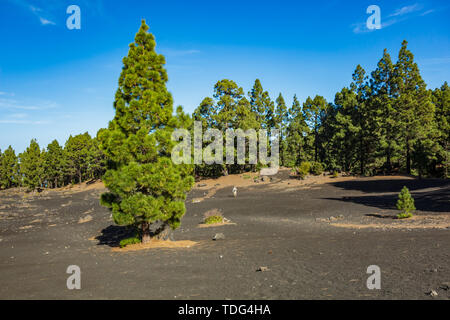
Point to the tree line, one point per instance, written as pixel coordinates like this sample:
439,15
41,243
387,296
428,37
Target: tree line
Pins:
383,122
80,159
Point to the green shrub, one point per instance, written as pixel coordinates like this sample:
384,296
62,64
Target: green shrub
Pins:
213,216
214,219
335,174
127,241
303,169
316,168
405,204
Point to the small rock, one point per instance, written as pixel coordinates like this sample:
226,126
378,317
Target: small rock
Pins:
445,286
221,257
433,293
85,219
201,185
219,236
332,218
262,269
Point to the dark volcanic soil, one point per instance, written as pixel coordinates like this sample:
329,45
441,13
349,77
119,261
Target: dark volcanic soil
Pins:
285,230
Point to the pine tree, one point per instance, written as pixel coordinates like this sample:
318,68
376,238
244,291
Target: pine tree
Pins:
31,166
281,120
441,99
77,150
415,111
145,186
405,204
295,135
8,169
345,139
54,164
312,113
383,94
96,160
262,106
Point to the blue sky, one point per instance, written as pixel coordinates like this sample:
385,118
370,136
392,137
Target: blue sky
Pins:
55,82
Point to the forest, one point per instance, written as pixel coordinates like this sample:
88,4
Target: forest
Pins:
384,122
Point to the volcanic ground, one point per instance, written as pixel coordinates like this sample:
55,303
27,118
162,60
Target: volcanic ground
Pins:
313,239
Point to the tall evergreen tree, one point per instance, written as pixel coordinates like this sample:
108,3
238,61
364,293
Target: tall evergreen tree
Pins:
441,99
262,106
8,169
295,136
54,164
31,166
77,150
312,113
145,186
415,111
381,101
281,120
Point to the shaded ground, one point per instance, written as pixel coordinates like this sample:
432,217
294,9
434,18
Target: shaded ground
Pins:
285,225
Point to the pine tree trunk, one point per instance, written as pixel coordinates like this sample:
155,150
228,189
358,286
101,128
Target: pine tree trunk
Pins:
361,159
146,236
388,160
408,158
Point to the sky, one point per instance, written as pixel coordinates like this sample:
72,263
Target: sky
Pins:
56,82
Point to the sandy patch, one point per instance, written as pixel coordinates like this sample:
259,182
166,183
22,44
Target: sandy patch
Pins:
212,225
416,222
157,244
284,181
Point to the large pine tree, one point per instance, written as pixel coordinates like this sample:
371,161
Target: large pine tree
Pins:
8,168
145,186
54,164
31,166
414,109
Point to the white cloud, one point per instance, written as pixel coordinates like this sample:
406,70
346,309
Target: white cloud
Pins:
427,12
16,105
15,121
45,21
41,14
405,10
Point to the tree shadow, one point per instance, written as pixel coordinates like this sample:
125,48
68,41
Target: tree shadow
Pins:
112,235
390,185
381,216
431,201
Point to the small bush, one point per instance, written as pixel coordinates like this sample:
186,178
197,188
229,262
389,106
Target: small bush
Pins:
214,219
405,204
303,169
404,215
316,168
213,216
127,241
335,174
